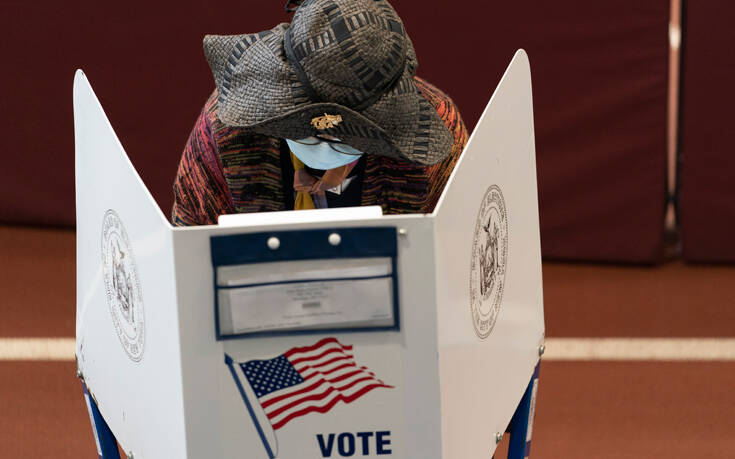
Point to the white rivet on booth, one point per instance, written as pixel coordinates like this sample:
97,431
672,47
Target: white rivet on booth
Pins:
273,243
335,239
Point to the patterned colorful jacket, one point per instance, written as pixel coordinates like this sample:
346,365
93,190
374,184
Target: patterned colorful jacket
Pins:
226,170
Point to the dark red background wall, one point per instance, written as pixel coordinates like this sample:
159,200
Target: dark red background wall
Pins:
707,165
599,71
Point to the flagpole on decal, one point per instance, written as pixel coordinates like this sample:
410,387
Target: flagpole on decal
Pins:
262,427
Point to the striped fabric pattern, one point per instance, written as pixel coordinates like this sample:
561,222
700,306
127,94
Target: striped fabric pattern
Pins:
227,170
201,193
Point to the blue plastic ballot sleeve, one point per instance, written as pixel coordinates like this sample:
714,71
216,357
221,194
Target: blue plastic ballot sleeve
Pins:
311,281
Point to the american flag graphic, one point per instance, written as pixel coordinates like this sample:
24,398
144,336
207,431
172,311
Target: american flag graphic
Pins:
308,379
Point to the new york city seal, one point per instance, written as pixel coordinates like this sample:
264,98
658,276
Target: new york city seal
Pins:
122,286
488,265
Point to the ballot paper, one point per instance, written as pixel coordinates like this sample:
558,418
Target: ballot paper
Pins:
305,295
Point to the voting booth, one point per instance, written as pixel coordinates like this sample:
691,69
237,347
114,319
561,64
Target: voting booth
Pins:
319,333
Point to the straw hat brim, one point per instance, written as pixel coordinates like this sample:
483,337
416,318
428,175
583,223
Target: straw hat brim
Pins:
258,90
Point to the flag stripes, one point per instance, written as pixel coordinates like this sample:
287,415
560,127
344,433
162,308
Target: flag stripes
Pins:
308,379
326,405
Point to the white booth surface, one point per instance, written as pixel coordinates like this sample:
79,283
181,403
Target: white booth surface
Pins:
309,334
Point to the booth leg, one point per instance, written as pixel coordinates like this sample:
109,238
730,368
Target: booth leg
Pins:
521,424
103,436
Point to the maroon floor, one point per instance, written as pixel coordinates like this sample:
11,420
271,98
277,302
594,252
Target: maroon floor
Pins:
585,409
636,410
37,282
674,299
42,412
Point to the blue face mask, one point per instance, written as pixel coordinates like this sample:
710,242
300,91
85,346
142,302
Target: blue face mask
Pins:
321,155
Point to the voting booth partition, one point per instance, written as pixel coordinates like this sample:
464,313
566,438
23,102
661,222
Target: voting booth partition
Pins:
321,333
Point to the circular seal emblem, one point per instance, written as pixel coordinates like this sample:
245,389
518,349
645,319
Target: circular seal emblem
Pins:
122,286
488,265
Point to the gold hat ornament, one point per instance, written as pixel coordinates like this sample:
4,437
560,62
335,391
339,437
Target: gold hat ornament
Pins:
326,121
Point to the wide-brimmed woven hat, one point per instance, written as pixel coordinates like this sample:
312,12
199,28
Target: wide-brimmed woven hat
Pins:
344,68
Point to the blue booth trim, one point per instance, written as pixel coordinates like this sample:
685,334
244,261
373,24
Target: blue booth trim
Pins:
104,438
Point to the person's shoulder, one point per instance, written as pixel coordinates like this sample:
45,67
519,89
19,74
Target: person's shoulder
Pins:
210,107
222,130
436,96
445,108
236,142
224,134
442,103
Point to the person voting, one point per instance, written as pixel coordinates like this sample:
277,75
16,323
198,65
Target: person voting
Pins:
324,112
